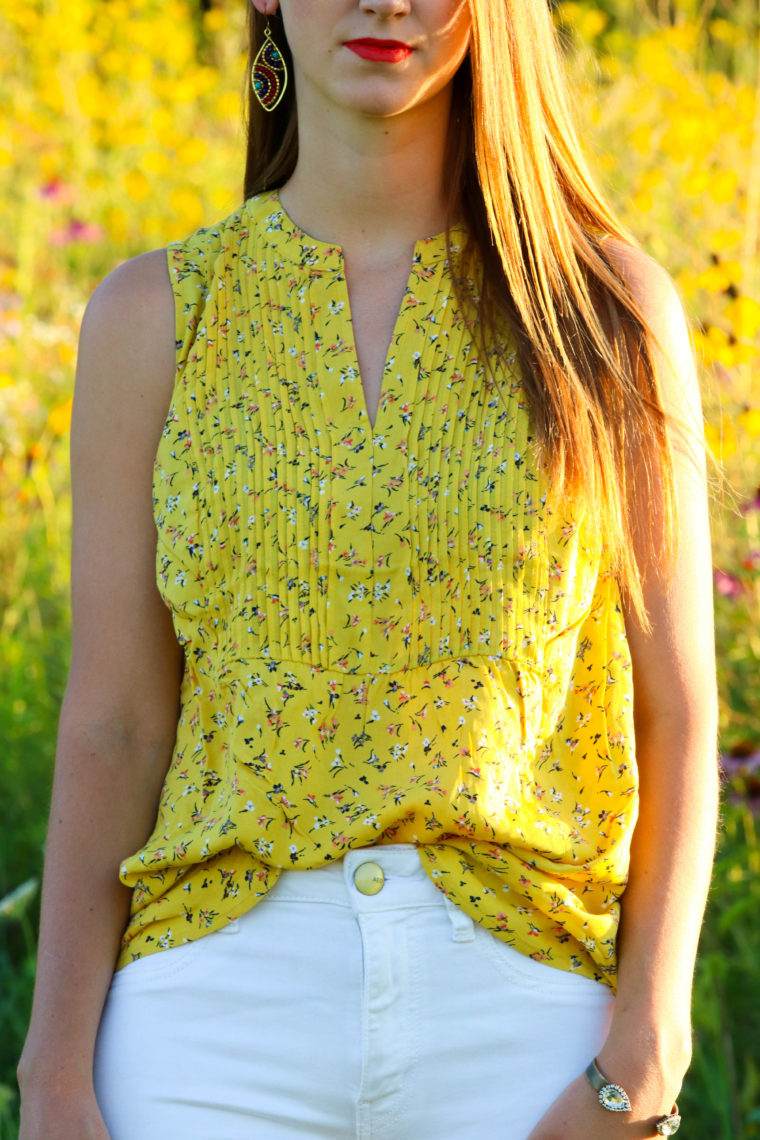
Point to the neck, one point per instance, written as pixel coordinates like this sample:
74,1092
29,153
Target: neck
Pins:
358,177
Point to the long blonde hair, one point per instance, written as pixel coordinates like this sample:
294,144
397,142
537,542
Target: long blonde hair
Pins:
538,227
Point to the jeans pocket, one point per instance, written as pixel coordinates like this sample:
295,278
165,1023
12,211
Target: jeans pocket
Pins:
169,962
525,971
157,964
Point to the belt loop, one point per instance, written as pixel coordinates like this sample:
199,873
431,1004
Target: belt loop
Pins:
464,927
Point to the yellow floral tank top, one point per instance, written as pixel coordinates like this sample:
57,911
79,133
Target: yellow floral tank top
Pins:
391,634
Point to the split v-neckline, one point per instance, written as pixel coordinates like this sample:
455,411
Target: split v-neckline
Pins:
429,256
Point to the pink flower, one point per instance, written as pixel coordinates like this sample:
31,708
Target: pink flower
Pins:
56,190
753,504
727,584
75,231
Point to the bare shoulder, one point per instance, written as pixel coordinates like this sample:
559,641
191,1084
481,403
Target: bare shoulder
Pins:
127,332
656,294
139,288
124,378
646,277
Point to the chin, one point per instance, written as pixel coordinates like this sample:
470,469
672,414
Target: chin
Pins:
376,104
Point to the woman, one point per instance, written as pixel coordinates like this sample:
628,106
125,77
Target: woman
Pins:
421,428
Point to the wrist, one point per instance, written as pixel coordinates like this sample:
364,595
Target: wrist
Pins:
54,1074
650,1042
648,1061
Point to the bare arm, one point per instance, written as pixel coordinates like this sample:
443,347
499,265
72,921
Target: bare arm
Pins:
648,1048
119,714
676,721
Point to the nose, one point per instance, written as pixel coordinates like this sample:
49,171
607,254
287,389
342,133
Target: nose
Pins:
385,9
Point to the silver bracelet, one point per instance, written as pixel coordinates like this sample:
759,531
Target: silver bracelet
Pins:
615,1099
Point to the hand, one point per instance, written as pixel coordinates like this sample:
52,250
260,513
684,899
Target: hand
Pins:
577,1115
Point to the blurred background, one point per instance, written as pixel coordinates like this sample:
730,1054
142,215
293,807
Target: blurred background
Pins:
120,130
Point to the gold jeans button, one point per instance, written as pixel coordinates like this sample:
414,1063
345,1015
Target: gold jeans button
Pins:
369,878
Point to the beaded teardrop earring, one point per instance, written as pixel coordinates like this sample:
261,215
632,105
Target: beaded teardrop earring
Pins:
269,75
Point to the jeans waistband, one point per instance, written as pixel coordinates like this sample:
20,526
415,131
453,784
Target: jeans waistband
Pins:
406,884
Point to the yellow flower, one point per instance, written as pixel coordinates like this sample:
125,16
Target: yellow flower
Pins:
24,17
651,179
715,347
683,37
184,90
215,20
696,182
686,281
51,97
714,280
59,420
749,421
89,95
112,61
133,134
137,185
187,208
116,223
724,30
718,85
139,68
723,186
722,239
691,135
227,105
654,60
162,122
746,354
640,138
223,202
746,101
192,151
156,162
643,202
587,22
744,315
721,439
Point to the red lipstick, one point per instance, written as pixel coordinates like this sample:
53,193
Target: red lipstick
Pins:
380,51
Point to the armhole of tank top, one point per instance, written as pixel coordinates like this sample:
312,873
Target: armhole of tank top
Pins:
179,346
178,333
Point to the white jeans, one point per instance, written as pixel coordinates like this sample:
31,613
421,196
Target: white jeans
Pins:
327,1012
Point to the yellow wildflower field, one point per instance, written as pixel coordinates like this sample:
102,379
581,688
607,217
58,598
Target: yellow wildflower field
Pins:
121,129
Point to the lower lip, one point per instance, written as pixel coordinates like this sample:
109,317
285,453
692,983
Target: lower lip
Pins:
380,54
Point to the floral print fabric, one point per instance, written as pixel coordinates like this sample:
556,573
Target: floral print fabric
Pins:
391,633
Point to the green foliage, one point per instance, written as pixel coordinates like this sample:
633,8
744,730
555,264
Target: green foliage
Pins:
34,650
721,1097
18,924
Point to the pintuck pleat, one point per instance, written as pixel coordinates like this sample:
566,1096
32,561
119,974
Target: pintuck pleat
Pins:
392,632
